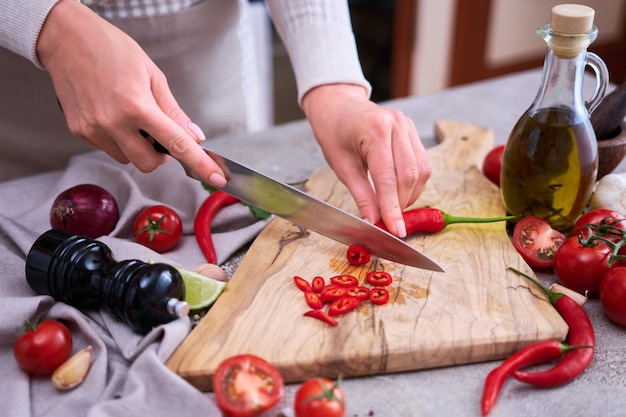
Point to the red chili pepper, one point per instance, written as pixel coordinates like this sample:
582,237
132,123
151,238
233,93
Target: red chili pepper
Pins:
318,284
360,292
580,333
347,281
343,305
302,283
432,220
357,255
379,296
534,354
203,219
320,315
379,278
332,292
313,300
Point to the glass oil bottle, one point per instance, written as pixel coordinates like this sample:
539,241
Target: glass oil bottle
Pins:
550,160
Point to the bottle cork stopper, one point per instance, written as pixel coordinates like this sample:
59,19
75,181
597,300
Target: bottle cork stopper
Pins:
572,19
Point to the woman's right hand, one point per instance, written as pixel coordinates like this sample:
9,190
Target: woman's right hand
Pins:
110,90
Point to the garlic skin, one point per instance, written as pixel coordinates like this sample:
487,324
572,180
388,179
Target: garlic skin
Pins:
610,193
73,371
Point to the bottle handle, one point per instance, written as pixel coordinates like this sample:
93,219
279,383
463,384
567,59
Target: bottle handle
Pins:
602,80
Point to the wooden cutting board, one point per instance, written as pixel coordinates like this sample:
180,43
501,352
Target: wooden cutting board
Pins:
475,311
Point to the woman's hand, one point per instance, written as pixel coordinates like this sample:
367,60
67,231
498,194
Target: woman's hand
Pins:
357,136
110,89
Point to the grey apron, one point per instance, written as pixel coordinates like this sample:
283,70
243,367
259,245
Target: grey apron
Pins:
200,50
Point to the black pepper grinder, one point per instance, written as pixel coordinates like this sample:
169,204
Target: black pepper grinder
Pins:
82,272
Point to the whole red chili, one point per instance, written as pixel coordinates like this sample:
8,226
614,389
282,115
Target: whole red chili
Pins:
432,220
202,222
534,354
580,333
357,255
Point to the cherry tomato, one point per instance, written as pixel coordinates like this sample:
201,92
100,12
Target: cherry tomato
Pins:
379,278
302,283
320,315
581,267
313,300
613,294
319,397
246,385
379,296
596,216
332,292
318,284
536,241
347,281
360,292
357,255
343,305
43,347
492,164
158,227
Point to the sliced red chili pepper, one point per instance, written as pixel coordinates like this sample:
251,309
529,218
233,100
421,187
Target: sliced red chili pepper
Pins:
202,222
313,300
332,292
343,305
357,255
320,315
379,296
318,284
534,354
302,283
360,292
580,334
347,281
379,278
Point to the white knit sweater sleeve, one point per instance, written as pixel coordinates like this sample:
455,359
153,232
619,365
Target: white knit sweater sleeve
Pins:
20,24
320,42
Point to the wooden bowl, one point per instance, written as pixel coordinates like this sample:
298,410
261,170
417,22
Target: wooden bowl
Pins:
611,152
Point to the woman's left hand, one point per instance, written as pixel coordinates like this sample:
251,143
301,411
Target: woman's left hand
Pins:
358,136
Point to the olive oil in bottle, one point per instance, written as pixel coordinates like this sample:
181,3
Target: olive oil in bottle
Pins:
550,162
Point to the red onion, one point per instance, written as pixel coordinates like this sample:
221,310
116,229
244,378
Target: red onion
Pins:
85,209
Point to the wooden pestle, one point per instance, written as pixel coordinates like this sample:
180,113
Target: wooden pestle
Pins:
607,117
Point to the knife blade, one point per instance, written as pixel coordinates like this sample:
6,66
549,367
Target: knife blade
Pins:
309,212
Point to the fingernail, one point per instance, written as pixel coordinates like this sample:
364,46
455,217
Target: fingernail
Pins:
401,228
217,180
196,130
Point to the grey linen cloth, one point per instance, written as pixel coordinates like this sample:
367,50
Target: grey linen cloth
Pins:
128,376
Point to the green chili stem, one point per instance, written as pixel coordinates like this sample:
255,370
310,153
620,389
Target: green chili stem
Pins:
449,219
553,296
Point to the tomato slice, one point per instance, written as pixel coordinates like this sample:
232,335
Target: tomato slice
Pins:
302,283
246,385
360,292
320,315
379,278
318,284
332,292
537,241
357,255
313,300
347,281
343,305
379,296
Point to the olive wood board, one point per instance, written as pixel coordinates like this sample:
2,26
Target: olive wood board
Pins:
477,310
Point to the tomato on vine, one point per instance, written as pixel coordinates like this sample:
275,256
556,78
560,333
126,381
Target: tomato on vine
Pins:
320,397
613,293
158,227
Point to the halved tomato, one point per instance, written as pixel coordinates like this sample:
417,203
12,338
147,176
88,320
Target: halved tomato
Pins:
246,385
537,241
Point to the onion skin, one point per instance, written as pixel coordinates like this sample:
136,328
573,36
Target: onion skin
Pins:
85,209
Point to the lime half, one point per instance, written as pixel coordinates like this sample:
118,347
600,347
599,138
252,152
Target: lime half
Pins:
200,290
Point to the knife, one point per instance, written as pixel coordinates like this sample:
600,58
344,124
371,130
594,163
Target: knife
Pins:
309,212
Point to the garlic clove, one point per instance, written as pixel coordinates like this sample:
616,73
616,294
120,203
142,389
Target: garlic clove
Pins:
212,271
579,298
73,371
